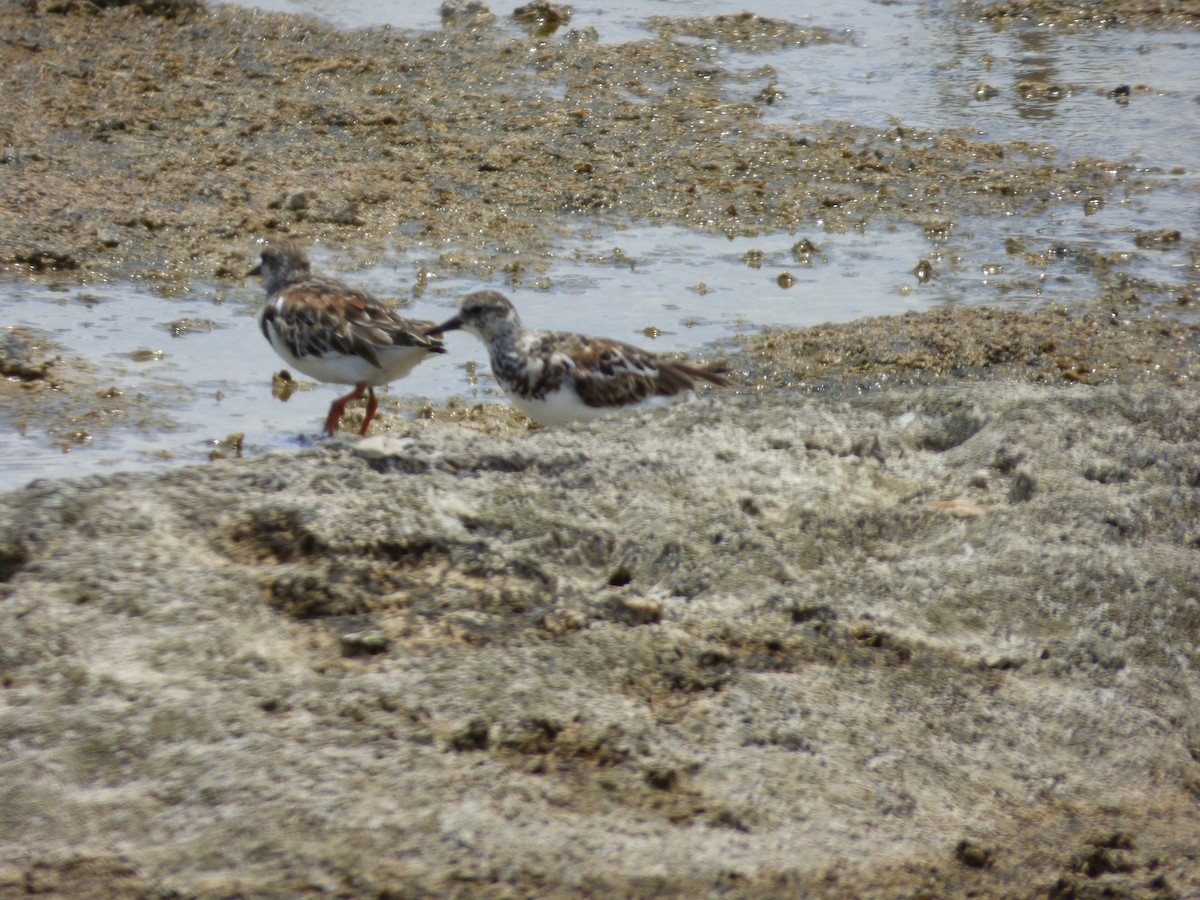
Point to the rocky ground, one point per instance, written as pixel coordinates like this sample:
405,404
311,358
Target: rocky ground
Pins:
912,612
927,642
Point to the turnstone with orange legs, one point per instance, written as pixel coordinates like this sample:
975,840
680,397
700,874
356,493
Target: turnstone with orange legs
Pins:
556,377
336,333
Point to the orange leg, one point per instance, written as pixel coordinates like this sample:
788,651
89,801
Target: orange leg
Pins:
339,406
372,405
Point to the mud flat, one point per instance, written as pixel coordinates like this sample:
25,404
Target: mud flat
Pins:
162,150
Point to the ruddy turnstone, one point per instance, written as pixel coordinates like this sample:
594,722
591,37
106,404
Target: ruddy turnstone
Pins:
335,333
556,377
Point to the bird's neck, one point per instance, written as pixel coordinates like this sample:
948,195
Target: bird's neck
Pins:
280,280
503,336
507,356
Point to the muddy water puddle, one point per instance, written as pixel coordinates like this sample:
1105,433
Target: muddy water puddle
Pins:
200,356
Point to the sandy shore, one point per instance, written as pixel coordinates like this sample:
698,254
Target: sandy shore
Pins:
913,612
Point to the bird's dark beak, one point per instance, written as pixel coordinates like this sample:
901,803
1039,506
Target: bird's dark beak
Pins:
257,270
448,325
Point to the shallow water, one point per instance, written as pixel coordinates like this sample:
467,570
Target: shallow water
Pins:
671,289
903,65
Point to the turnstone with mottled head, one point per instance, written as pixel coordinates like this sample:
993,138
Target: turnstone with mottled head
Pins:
335,333
556,377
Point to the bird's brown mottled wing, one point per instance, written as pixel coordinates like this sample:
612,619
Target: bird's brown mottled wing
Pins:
322,316
610,373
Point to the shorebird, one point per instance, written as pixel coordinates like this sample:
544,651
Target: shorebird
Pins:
556,377
335,333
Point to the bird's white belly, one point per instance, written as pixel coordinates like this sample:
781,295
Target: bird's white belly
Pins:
337,368
564,406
